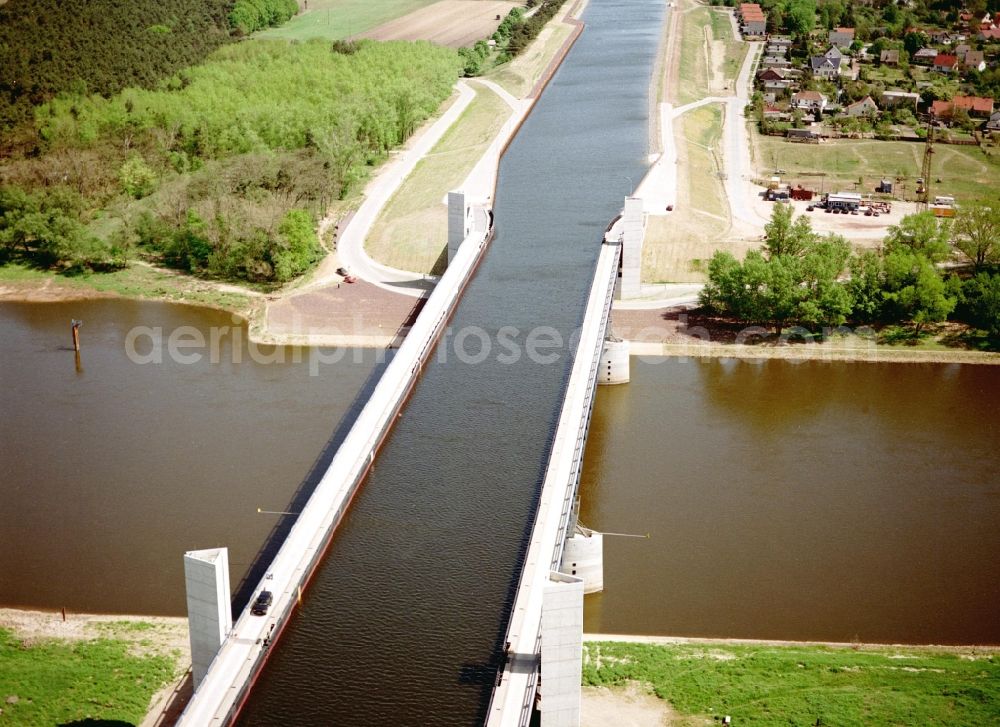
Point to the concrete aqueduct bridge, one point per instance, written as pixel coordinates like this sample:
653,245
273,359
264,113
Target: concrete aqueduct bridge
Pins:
564,561
222,683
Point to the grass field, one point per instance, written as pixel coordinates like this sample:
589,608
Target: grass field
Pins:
807,685
677,245
412,230
966,172
336,19
693,72
101,681
735,50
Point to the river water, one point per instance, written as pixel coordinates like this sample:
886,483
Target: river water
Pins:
826,501
110,473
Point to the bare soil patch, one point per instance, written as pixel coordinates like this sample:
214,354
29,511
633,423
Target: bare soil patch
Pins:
633,705
451,23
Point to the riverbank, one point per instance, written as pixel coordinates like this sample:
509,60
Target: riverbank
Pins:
694,681
54,655
680,332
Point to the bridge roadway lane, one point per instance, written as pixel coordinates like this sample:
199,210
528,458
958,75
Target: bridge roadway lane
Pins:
403,623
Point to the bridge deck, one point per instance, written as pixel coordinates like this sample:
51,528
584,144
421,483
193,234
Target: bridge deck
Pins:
514,695
240,658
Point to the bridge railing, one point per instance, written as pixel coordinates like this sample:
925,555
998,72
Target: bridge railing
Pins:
514,693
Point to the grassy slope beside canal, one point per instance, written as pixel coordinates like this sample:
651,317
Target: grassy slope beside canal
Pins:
808,685
104,670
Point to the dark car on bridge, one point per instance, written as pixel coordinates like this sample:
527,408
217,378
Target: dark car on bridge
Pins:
263,602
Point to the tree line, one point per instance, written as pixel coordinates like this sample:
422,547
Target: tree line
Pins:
99,46
801,278
223,168
512,36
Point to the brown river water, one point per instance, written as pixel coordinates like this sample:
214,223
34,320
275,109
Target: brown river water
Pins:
784,500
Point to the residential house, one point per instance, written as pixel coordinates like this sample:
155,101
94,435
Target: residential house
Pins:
827,65
974,60
961,49
773,113
775,62
975,105
889,58
940,36
782,41
925,56
753,22
993,34
864,107
892,99
809,101
994,123
842,37
945,62
771,74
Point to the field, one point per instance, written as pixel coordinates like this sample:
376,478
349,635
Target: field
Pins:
336,19
677,244
807,685
965,172
412,230
452,23
709,56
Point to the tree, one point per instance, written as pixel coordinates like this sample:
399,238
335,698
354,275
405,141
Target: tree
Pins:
782,236
915,290
801,16
976,234
914,41
920,233
866,286
980,303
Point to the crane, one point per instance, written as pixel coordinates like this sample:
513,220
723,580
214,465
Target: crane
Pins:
924,181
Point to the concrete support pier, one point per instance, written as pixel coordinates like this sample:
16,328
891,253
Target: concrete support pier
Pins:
210,616
562,644
583,557
614,362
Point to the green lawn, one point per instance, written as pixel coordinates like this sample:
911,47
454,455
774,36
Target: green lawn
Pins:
693,72
58,682
335,19
966,172
808,685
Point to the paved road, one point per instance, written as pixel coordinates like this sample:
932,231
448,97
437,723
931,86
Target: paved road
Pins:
351,245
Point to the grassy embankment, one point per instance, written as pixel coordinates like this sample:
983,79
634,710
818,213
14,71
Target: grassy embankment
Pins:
338,19
966,172
520,75
412,230
807,685
20,282
109,678
676,244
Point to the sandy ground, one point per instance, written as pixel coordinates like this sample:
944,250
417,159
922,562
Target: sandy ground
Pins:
168,636
452,23
357,314
633,705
